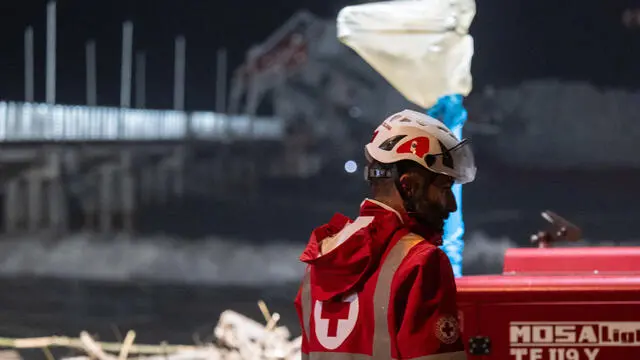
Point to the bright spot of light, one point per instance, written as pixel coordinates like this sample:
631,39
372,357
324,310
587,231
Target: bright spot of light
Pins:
355,112
350,166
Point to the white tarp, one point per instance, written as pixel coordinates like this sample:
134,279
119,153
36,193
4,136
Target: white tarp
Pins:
422,47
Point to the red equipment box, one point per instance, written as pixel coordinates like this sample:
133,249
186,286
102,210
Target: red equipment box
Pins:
555,304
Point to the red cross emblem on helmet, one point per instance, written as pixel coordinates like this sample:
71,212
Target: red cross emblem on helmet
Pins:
418,146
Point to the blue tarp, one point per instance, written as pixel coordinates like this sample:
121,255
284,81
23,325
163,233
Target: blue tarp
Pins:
450,110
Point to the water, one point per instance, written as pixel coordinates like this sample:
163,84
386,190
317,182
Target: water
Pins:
210,261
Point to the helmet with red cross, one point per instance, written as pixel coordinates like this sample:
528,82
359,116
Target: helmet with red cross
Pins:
414,136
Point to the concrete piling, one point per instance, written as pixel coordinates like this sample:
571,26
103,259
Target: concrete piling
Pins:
107,184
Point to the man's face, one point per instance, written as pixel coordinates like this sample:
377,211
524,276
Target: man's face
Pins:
433,199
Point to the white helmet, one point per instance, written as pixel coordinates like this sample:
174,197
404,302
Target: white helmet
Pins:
410,135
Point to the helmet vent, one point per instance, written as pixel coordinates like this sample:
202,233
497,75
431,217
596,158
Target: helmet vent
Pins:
448,132
390,143
398,117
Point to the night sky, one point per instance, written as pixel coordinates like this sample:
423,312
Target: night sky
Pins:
515,40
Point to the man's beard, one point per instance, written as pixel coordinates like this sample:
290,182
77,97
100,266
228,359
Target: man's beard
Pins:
426,213
431,216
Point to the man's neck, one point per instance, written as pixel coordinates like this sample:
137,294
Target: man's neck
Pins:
395,204
386,207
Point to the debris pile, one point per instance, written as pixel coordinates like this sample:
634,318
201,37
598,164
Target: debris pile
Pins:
236,337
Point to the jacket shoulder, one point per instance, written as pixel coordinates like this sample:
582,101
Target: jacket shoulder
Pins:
421,256
419,251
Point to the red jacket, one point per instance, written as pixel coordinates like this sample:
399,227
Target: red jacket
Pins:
374,289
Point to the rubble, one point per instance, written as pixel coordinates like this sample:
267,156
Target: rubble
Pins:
236,337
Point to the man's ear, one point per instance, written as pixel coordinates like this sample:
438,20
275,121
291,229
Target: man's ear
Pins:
409,183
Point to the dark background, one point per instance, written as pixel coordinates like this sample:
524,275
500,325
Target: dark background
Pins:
515,41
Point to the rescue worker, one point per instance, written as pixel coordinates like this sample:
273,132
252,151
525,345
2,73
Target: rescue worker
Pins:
378,287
